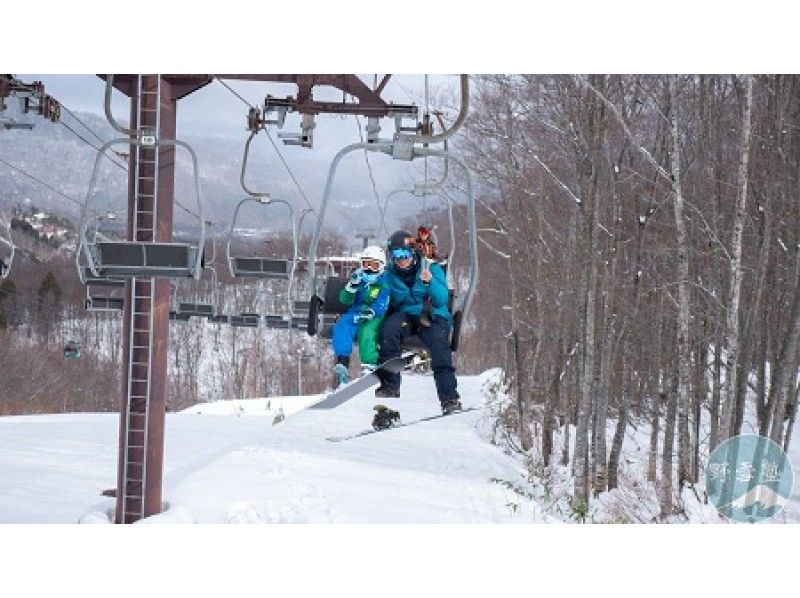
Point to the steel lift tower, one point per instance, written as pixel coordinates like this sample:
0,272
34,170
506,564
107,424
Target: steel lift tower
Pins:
149,257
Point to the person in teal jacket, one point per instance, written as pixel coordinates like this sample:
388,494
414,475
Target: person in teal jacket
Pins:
411,280
368,297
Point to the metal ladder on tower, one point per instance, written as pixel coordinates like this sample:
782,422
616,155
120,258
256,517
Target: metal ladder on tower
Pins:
141,299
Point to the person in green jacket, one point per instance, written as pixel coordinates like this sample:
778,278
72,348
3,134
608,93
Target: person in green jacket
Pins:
368,298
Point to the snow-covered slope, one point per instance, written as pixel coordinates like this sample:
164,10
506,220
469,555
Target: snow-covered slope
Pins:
226,462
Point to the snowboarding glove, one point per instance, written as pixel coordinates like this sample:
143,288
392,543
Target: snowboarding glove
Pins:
355,280
366,315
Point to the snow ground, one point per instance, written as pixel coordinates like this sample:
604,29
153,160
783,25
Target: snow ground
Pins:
636,500
226,463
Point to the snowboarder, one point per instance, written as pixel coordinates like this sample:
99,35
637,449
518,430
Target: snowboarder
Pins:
368,298
410,284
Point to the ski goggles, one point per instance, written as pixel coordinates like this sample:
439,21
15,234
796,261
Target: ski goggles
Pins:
371,266
402,253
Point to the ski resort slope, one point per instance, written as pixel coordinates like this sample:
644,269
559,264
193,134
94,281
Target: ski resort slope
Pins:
225,462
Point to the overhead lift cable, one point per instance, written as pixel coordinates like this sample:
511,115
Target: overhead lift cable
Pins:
41,182
274,145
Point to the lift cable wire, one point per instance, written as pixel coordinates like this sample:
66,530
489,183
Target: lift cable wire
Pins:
92,131
41,182
117,164
85,126
274,145
90,144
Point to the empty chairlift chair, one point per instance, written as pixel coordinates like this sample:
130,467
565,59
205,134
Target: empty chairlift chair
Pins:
250,266
143,256
259,267
188,309
72,350
100,300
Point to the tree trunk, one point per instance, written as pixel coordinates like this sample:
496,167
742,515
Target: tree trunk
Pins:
792,415
783,376
619,437
551,404
735,270
671,400
591,182
684,358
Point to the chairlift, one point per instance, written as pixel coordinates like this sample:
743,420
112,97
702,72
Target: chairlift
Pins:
245,320
94,302
257,266
248,266
151,258
72,350
403,146
199,309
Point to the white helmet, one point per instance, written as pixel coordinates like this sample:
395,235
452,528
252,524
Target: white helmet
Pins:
374,253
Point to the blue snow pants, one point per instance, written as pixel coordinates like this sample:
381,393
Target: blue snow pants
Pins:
346,330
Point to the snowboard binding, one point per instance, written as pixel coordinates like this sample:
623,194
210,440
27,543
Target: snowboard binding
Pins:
384,417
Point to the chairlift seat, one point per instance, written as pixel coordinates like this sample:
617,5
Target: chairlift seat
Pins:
104,303
204,310
332,305
179,317
101,281
276,322
245,321
135,258
259,267
220,319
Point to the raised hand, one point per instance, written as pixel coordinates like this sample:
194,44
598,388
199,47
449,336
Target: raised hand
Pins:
355,280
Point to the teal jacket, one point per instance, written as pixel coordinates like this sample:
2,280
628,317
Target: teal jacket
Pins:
408,292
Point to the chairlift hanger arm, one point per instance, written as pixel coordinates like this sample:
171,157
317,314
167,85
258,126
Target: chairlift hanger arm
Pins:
370,102
33,95
462,115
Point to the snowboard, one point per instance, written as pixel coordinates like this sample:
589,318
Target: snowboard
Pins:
359,385
400,425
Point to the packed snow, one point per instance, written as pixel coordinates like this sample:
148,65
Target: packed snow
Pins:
267,460
226,462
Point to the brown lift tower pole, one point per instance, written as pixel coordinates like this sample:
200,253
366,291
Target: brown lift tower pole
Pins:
151,195
145,331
